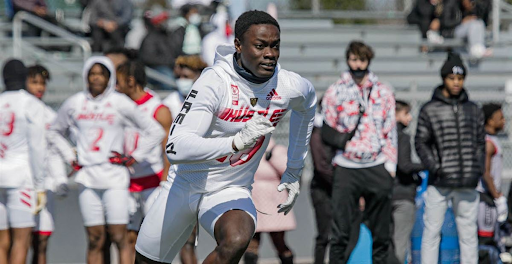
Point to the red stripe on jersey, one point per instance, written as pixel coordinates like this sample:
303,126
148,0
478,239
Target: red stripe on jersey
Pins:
26,195
25,202
485,233
43,233
158,108
144,99
146,182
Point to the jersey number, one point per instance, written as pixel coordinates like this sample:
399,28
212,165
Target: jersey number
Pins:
94,146
7,123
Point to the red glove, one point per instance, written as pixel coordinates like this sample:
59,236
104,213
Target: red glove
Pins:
122,159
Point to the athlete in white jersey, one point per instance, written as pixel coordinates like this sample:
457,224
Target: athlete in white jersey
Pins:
55,176
217,141
22,163
493,204
99,116
145,175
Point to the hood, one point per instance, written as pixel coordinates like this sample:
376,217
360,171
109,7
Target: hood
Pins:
224,59
438,96
111,82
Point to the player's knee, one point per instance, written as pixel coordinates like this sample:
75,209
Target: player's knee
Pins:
43,243
236,243
119,238
96,241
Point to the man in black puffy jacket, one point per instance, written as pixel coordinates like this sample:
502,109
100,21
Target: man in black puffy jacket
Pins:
450,141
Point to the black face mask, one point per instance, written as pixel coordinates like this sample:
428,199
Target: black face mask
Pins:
358,73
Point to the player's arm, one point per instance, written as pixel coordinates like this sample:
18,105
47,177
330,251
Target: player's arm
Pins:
164,117
36,141
490,149
423,143
58,129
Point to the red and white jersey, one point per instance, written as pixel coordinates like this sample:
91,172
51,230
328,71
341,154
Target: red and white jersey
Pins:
174,101
147,172
22,140
220,102
496,165
99,124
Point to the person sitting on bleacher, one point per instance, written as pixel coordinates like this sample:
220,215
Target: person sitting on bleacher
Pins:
435,18
475,14
109,22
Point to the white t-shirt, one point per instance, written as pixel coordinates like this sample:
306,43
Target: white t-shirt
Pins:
220,102
22,140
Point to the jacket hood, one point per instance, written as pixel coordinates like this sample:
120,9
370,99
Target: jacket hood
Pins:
110,67
438,96
224,58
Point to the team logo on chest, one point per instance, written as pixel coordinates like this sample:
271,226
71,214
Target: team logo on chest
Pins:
254,101
235,94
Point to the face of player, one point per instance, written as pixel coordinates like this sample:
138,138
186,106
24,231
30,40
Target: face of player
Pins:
36,86
97,80
404,117
122,83
358,66
258,52
497,120
453,84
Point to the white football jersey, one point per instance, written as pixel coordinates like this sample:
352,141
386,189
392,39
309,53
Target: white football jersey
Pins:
174,101
98,124
153,163
220,102
22,140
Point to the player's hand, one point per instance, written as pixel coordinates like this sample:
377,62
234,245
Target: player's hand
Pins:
501,208
256,127
62,190
291,182
41,201
121,159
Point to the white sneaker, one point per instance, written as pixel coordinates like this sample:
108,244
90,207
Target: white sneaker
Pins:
434,37
477,51
506,257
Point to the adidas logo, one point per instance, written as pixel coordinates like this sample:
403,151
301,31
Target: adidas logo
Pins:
273,95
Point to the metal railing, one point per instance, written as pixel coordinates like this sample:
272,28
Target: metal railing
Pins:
22,16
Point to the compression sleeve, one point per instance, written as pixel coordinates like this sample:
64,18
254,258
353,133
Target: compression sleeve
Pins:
301,124
187,142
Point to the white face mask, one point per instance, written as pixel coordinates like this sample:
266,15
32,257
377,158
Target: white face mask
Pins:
184,85
195,19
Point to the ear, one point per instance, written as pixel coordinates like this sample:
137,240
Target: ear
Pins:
131,81
238,45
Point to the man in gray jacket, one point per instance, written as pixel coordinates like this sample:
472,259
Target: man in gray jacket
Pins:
450,141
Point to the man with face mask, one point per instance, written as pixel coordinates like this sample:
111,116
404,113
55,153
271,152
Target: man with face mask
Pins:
364,168
189,34
450,141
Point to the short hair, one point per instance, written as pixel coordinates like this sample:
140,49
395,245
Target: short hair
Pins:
37,69
193,62
401,106
185,9
489,110
359,49
104,70
135,69
253,17
131,54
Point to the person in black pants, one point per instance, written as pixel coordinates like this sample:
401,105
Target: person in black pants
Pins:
365,165
321,190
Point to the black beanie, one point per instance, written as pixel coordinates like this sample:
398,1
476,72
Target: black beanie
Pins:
15,75
489,110
453,65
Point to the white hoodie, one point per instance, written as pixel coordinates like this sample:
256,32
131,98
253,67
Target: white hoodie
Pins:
219,103
99,123
22,141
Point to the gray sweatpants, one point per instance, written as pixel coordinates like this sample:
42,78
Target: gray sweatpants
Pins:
465,207
404,212
473,31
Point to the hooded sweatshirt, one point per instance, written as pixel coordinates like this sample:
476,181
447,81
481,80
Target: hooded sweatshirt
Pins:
220,102
98,124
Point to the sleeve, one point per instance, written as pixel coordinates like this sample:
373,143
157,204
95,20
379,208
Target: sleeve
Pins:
59,128
424,142
36,141
301,126
24,5
389,133
405,164
150,53
187,142
480,151
322,165
151,132
451,17
126,13
329,107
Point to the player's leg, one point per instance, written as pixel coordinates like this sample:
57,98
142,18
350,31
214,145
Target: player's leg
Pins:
285,254
115,202
96,239
251,254
188,251
229,216
136,216
92,211
168,224
43,230
20,203
5,238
